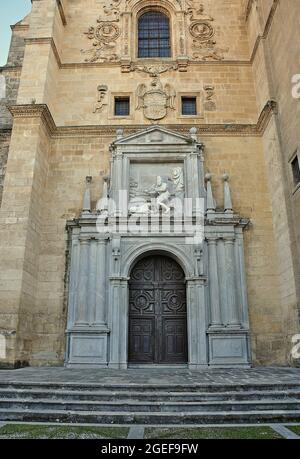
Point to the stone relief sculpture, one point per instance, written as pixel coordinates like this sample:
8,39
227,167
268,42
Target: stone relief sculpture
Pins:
209,104
111,25
177,178
102,99
203,45
159,196
153,69
161,193
208,51
105,35
196,11
155,101
112,9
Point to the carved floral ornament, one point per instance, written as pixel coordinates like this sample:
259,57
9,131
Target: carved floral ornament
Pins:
106,34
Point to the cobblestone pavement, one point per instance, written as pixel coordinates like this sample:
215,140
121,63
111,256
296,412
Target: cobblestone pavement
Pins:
260,375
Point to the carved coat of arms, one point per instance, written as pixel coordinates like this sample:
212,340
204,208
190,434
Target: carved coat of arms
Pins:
155,101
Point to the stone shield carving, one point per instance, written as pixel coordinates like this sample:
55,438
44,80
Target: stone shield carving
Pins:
155,101
155,105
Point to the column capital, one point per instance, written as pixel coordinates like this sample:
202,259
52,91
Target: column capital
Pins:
229,239
84,239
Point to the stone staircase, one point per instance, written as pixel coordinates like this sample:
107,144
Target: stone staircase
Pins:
140,403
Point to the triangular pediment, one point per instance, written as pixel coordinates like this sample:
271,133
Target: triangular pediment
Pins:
155,135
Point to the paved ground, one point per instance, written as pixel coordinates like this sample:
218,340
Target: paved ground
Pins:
261,375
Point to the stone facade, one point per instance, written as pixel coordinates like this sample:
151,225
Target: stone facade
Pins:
79,56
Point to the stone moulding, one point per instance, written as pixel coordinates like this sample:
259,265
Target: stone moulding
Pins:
267,28
236,130
61,12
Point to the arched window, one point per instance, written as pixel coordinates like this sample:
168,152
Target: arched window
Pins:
154,35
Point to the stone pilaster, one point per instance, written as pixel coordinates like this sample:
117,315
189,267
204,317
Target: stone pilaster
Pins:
21,226
216,320
118,322
233,313
101,313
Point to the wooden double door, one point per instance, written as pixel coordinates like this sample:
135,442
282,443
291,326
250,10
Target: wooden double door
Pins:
157,312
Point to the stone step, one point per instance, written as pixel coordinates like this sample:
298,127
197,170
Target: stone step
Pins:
147,396
146,418
156,388
142,406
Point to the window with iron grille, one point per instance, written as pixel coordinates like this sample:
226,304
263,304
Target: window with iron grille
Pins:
189,105
122,106
154,35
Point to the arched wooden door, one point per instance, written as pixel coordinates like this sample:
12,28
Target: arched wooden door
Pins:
157,312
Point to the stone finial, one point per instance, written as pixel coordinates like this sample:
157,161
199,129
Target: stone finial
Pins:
120,133
102,204
86,209
211,203
193,133
227,195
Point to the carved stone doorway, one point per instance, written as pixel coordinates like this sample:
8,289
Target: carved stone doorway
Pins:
157,312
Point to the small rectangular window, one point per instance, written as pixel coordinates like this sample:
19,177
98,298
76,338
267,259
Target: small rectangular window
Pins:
122,106
189,106
296,170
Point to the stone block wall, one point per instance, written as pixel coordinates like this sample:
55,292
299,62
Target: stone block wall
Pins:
50,158
276,54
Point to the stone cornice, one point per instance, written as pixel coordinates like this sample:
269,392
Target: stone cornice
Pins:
231,130
11,68
17,26
34,111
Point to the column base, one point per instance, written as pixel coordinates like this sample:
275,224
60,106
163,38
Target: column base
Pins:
228,348
87,347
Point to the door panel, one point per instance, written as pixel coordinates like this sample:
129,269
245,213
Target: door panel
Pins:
157,312
141,332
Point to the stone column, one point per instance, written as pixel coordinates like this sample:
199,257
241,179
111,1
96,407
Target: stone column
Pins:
75,257
233,313
118,322
100,316
180,46
126,52
92,282
213,280
196,323
82,310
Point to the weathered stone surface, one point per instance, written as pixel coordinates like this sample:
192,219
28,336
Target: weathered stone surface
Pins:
49,159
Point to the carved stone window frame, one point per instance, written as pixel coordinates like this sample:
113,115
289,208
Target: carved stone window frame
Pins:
113,96
166,12
199,104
